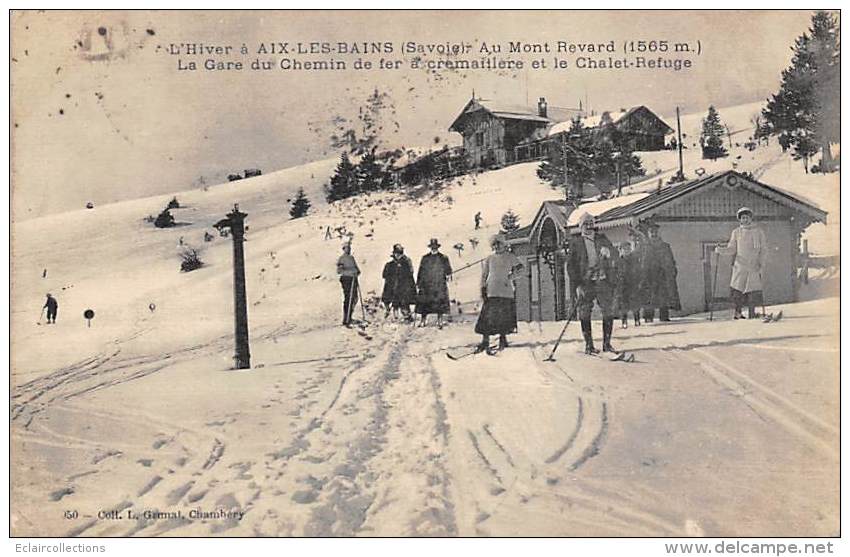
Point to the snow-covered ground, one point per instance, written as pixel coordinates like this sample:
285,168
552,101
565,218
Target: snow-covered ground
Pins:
719,428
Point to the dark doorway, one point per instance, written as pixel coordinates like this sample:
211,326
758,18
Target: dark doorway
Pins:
719,293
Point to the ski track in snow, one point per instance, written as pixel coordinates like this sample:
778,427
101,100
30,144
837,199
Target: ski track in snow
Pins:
766,402
383,437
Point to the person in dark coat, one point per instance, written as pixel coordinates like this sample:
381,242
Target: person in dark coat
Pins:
498,315
434,271
659,277
640,291
52,308
627,297
591,266
399,288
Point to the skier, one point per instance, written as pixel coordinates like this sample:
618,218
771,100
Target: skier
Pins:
477,220
434,270
399,288
748,247
348,271
659,277
498,315
52,308
627,294
591,268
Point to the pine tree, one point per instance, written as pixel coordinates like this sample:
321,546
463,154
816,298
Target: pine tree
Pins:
510,221
300,205
164,220
370,173
344,181
572,155
375,121
804,113
711,138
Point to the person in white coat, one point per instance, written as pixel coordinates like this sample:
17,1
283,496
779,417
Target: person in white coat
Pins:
748,247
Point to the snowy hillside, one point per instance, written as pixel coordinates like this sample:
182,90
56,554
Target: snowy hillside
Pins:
334,434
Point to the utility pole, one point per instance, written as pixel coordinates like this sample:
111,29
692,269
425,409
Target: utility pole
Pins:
681,176
235,221
564,160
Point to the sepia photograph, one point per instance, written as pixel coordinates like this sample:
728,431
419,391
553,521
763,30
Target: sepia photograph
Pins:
425,273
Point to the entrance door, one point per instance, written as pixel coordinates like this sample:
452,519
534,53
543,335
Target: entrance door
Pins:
560,287
718,292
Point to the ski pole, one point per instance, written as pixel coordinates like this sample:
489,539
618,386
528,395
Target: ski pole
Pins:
551,357
349,307
467,266
713,286
360,296
40,315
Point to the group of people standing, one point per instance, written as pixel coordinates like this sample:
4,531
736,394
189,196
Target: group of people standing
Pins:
646,277
639,275
429,292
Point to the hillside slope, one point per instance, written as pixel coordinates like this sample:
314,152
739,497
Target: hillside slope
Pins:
374,432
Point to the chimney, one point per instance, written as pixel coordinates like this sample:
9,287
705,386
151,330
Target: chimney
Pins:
541,107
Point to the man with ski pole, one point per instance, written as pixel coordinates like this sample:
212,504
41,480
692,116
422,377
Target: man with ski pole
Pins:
348,271
592,275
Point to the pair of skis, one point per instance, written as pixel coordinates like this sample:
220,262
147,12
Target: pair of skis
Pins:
623,356
490,351
361,329
772,318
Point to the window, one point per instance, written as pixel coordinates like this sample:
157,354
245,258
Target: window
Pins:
479,139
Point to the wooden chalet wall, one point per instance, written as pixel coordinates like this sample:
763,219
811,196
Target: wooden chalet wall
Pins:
483,137
693,225
490,140
645,130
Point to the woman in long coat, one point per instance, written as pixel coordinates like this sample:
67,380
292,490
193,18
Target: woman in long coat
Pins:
434,270
748,247
659,275
399,288
627,295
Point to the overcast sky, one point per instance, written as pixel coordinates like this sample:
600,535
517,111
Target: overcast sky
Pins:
101,113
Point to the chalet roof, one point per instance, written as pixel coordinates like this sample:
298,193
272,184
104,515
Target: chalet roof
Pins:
596,208
595,120
589,121
558,210
629,209
514,112
518,233
645,205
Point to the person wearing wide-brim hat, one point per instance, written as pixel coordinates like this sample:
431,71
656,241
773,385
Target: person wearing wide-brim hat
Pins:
433,297
498,315
399,287
748,247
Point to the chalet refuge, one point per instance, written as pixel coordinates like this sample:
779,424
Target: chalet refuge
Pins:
497,134
693,217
